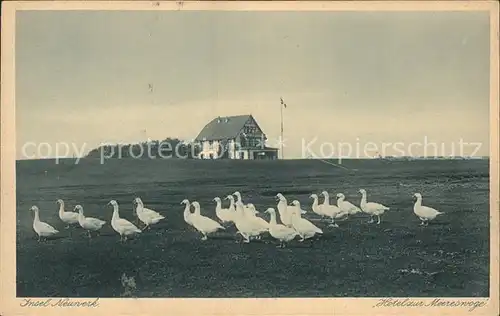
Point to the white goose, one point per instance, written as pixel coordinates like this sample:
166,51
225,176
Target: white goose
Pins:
296,205
232,208
425,213
238,199
202,223
121,225
69,218
283,210
238,196
88,223
304,228
187,212
252,216
331,211
225,215
247,229
42,229
280,232
371,208
146,215
346,206
316,208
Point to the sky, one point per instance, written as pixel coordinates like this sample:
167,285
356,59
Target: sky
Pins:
88,77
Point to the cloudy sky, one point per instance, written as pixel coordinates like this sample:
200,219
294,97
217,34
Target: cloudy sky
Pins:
83,77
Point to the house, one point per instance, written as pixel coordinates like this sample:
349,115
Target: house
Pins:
234,137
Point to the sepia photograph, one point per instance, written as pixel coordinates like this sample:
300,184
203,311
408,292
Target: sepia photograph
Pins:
189,150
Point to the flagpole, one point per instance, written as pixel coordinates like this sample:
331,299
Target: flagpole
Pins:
281,140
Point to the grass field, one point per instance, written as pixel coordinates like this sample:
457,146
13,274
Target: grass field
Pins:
450,257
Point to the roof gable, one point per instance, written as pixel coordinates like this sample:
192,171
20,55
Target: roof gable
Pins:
256,124
223,127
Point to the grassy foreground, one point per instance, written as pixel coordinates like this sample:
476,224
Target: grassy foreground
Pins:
450,257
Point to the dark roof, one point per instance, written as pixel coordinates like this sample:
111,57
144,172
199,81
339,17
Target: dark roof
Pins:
223,127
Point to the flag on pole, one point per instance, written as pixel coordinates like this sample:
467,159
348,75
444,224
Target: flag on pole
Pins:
283,103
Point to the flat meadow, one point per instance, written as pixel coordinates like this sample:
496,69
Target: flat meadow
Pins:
450,257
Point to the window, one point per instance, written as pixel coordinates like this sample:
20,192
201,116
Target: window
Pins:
250,129
243,142
253,142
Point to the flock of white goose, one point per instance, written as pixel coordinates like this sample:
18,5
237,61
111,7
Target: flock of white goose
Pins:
90,224
242,216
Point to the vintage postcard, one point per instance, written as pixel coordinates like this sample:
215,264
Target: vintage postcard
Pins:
249,158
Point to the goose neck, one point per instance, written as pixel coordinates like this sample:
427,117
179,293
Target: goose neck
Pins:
197,210
327,199
363,198
116,214
37,217
315,201
139,207
272,221
187,209
80,215
61,208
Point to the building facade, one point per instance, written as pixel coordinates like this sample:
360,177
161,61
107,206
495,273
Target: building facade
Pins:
234,137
